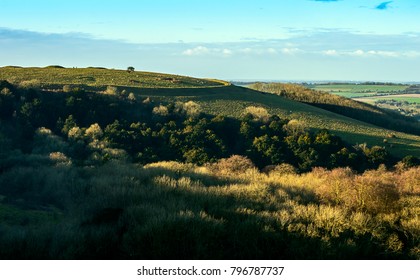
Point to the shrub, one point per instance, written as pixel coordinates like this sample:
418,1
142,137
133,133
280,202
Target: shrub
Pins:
111,90
233,165
409,161
335,186
67,88
75,133
94,131
375,191
258,113
60,159
45,142
190,108
161,111
294,128
34,83
131,97
280,169
409,181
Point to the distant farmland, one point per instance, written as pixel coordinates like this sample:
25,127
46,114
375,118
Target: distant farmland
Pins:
360,90
411,98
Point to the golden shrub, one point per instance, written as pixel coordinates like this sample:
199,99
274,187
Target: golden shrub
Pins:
259,113
375,191
233,165
335,186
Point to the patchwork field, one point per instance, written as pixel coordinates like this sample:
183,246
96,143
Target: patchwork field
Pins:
360,90
410,98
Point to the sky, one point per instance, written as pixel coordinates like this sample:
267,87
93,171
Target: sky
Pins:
287,40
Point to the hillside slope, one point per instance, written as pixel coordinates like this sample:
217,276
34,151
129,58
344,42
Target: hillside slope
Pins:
343,106
232,100
95,78
215,97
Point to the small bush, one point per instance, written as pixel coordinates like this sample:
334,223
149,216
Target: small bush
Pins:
161,111
234,165
60,159
45,142
67,88
94,131
34,83
110,90
281,169
258,113
131,97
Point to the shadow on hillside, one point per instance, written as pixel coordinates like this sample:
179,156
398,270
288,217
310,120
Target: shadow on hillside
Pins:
133,216
388,120
397,147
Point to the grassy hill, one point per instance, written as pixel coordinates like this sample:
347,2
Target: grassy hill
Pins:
54,77
215,97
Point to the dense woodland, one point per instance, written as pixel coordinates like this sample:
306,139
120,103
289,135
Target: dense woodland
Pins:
111,176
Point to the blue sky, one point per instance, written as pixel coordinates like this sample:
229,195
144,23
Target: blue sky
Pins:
230,39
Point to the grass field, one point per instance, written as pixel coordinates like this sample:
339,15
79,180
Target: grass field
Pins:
217,97
411,98
98,78
358,90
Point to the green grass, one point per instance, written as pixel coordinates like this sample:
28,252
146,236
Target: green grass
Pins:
356,90
97,78
15,215
399,98
408,99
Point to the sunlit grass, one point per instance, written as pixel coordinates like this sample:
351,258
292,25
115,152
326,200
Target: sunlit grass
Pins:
170,209
97,78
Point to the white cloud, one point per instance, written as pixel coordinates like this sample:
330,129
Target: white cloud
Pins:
358,53
291,51
372,53
200,50
258,51
386,53
227,52
331,52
